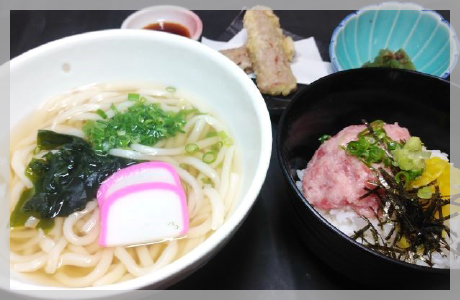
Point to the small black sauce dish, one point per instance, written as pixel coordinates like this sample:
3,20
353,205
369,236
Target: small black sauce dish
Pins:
416,101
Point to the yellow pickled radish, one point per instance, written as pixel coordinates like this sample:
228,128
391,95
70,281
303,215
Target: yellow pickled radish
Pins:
444,182
403,243
444,188
434,167
445,211
420,249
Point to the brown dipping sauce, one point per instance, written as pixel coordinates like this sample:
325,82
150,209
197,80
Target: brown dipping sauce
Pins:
169,27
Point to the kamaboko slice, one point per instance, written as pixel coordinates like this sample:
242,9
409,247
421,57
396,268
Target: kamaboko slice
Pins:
142,204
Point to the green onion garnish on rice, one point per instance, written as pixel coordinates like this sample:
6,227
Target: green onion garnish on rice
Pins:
416,211
425,193
324,138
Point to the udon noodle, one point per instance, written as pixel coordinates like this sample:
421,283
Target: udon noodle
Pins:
69,255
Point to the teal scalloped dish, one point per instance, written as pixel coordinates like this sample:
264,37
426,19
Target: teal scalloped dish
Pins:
428,39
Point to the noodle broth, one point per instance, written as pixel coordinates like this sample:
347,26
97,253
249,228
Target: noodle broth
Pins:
69,255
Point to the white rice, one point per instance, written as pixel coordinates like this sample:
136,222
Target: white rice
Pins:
349,222
437,153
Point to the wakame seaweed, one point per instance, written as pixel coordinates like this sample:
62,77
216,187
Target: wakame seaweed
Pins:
68,177
19,217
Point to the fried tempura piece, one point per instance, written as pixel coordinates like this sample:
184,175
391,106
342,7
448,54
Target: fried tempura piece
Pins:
288,46
240,56
265,47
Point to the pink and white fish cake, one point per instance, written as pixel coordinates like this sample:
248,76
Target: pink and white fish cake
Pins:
143,203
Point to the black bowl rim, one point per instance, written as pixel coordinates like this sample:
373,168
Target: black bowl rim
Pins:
300,195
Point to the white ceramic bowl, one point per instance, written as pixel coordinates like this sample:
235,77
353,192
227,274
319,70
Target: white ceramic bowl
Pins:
117,55
165,13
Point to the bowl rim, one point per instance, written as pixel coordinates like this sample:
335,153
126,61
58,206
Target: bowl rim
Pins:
224,233
186,12
299,195
412,6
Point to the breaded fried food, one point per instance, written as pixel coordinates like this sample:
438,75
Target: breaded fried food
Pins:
289,48
240,56
265,47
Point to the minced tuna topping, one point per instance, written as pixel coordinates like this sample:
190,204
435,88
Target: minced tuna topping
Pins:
334,179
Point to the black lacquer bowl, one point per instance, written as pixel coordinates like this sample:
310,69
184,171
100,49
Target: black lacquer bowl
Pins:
414,100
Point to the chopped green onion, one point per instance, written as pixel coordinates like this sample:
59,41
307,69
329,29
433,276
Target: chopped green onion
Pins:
393,145
425,192
211,134
353,148
191,148
114,108
101,113
377,124
133,97
376,154
142,123
404,174
206,180
363,144
370,140
414,174
209,157
170,89
381,134
369,149
324,138
408,176
217,146
183,166
225,138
